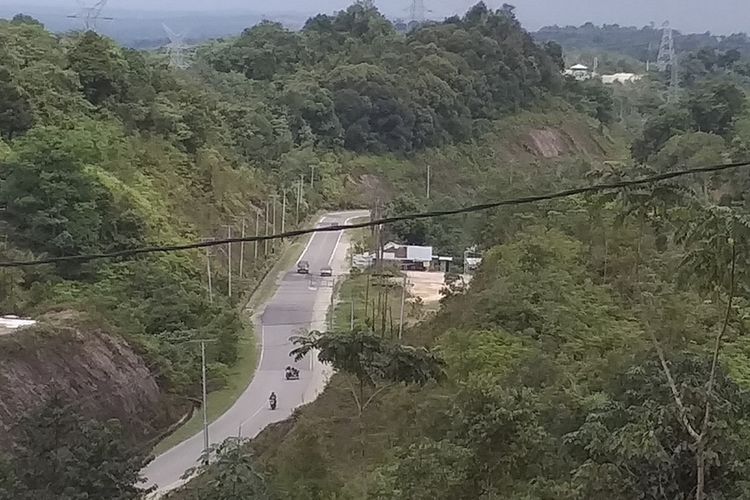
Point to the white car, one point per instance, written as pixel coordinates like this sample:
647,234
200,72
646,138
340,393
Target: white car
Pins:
326,271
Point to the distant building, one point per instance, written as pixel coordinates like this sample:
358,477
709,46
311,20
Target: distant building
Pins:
411,257
408,257
579,72
620,78
472,259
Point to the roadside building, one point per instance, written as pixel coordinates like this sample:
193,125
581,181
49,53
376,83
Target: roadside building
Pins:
579,72
409,257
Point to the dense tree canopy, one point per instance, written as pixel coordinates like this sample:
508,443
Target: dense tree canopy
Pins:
392,92
64,456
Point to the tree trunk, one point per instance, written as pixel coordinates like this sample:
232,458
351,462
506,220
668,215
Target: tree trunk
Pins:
700,470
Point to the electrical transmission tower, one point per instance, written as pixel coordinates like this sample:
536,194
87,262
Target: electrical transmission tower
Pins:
417,11
175,48
90,14
666,61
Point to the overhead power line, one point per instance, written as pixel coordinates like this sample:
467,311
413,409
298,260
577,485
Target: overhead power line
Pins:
595,188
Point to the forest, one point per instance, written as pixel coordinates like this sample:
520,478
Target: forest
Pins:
597,353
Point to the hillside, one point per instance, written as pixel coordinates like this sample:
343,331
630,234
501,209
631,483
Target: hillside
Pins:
548,377
105,149
599,351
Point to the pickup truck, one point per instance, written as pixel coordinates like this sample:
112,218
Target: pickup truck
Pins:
303,267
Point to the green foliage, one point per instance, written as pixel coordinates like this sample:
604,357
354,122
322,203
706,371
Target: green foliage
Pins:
100,67
25,19
53,198
591,97
63,455
233,475
657,130
425,470
15,109
632,442
370,358
351,79
714,107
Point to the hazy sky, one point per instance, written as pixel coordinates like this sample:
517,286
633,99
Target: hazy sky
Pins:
718,16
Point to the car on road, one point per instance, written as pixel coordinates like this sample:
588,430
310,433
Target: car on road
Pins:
303,267
326,271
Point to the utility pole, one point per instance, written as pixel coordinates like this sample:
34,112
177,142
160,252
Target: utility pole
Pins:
331,311
283,210
229,257
242,250
265,243
351,318
312,176
401,315
208,273
428,181
367,294
205,398
274,197
255,243
299,195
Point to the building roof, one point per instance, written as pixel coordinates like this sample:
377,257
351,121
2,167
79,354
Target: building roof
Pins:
393,251
419,254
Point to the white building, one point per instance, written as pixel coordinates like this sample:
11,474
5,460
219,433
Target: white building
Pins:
620,78
579,72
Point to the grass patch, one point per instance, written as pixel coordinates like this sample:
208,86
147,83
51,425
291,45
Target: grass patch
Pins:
241,373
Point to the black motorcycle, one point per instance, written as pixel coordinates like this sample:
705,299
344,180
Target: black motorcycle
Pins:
272,401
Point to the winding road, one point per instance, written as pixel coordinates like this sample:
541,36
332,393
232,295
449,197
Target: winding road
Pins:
300,303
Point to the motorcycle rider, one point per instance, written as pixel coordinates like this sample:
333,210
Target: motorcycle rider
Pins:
272,400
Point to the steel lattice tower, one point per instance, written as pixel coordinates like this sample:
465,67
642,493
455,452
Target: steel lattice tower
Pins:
175,48
666,56
417,11
666,61
90,14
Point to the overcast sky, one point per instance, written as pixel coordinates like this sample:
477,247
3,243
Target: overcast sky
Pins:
718,16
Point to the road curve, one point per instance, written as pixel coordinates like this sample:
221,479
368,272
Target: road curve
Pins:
300,303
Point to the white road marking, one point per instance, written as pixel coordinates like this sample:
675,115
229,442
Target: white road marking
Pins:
309,242
252,416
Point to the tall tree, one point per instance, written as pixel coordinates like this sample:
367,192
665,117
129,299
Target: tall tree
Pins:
64,456
100,65
15,109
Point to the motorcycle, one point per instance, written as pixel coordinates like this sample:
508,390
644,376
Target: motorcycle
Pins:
291,373
272,401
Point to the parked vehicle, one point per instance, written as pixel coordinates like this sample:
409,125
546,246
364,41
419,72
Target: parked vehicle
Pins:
303,267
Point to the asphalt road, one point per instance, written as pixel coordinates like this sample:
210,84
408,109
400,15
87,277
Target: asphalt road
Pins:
299,304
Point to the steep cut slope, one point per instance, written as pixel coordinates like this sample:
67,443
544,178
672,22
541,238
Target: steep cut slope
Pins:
99,375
